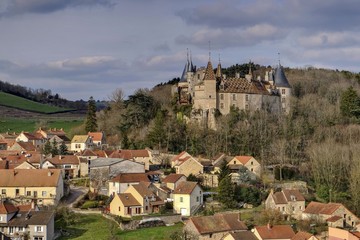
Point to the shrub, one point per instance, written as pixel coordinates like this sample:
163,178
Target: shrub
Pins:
89,204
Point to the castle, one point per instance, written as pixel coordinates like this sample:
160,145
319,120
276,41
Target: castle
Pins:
210,91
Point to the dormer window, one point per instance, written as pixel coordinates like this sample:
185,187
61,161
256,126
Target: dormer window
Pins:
293,198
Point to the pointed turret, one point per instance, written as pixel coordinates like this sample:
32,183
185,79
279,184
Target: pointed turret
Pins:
218,71
209,72
280,78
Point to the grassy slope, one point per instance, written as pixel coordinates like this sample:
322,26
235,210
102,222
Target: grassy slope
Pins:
97,227
29,125
25,104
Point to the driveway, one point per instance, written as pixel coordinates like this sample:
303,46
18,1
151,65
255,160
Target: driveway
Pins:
76,193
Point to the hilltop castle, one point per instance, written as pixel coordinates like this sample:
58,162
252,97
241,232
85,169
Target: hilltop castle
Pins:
209,91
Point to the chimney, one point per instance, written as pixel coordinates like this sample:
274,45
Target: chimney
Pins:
60,157
269,226
32,205
237,75
49,173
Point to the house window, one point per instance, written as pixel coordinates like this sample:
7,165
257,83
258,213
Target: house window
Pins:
209,96
11,230
119,209
38,228
252,163
283,100
43,193
17,192
300,207
221,96
252,169
222,105
181,199
246,97
28,193
113,184
282,91
3,191
138,210
234,97
283,208
198,76
35,193
234,161
293,208
247,106
146,208
38,238
21,229
197,198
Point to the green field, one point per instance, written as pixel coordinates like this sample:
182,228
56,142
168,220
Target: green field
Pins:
30,125
10,100
98,227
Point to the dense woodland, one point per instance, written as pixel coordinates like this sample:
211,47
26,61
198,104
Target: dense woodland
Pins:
319,141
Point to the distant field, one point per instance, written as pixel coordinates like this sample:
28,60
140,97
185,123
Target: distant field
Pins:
25,104
29,125
98,227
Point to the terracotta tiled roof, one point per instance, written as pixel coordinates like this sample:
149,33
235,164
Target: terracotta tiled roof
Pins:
31,136
30,178
242,85
24,208
243,235
177,157
279,198
128,199
209,72
185,187
218,223
275,232
79,138
27,146
129,154
293,195
333,219
88,153
36,218
172,178
243,159
64,159
302,236
322,208
96,136
143,190
57,131
6,208
131,178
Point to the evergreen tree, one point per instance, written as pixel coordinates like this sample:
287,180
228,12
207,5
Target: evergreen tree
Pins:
224,171
349,103
63,148
226,193
157,134
91,124
46,148
54,148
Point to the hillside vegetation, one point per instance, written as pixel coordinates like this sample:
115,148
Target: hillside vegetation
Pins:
10,100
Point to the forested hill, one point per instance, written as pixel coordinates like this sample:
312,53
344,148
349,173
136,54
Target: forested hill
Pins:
41,96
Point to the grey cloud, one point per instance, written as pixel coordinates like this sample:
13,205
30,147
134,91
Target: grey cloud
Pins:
18,7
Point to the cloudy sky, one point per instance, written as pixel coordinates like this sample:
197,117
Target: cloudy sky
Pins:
83,48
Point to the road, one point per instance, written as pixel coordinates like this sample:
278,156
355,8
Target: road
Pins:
75,194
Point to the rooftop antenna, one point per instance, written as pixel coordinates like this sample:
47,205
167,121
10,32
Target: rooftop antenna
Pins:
279,58
190,56
219,58
187,54
209,51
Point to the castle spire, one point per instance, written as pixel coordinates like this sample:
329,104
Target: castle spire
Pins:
218,70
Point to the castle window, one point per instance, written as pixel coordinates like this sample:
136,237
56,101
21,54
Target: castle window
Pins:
282,91
198,76
222,105
209,96
246,97
234,97
247,106
283,100
222,96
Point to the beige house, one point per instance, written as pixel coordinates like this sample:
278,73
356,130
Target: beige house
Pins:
25,185
247,161
188,198
185,164
172,180
36,139
216,227
278,232
70,164
15,223
80,143
123,181
289,202
137,199
335,214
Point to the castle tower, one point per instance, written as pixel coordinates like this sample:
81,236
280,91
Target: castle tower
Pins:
210,86
282,84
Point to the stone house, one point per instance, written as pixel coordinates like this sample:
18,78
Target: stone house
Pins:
248,235
122,182
141,156
283,232
188,198
172,180
335,214
247,161
70,164
36,139
80,143
98,138
289,202
215,227
185,164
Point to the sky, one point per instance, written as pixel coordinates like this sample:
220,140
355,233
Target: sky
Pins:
83,48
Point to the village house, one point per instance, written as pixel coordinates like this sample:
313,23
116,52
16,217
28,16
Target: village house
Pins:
248,235
215,227
36,139
289,202
70,164
89,154
245,161
18,222
283,232
342,234
173,180
22,147
15,159
8,135
141,156
304,236
122,182
185,164
188,198
80,143
137,199
44,185
51,132
335,214
98,139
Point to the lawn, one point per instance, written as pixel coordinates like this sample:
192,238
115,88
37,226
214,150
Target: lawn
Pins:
97,227
10,100
29,125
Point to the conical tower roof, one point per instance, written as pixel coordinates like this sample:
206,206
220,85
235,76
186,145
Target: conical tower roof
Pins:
280,78
218,71
209,72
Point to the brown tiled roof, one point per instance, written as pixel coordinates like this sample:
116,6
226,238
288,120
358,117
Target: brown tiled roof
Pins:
29,177
322,208
218,223
209,72
143,190
243,159
6,208
27,146
4,164
242,85
24,208
96,136
33,136
128,199
333,219
129,154
79,138
185,187
243,235
275,232
295,193
88,152
172,178
302,236
131,178
64,159
177,157
35,218
56,131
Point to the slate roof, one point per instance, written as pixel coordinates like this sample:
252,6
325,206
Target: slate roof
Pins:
280,78
275,232
29,177
103,162
185,187
172,178
218,223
